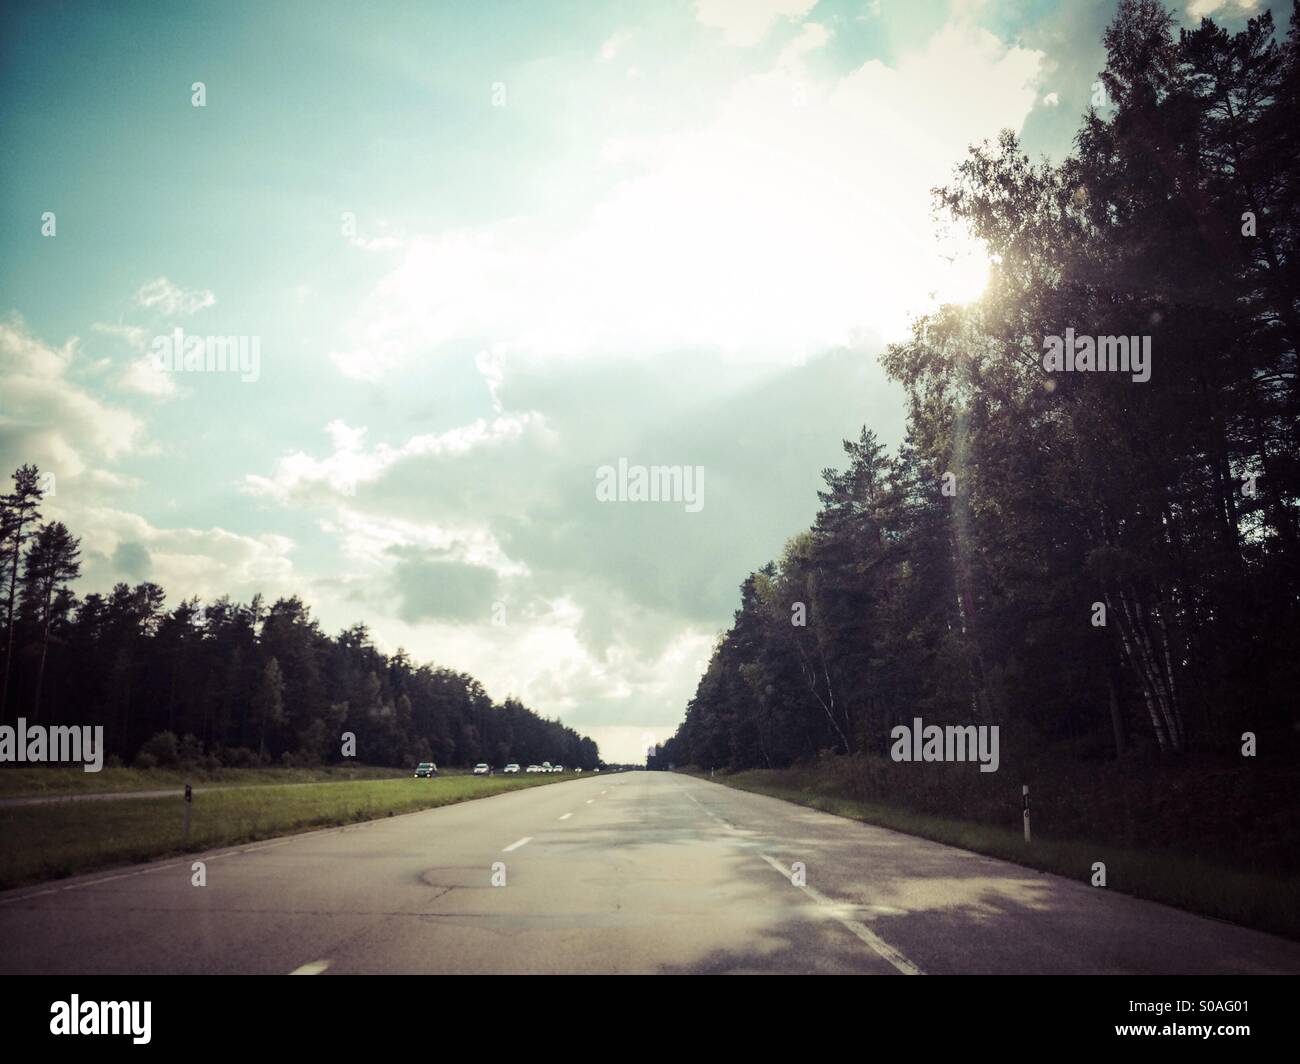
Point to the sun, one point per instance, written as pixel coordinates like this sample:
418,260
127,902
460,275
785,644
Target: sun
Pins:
927,274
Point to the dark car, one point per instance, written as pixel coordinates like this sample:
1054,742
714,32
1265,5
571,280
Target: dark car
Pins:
426,769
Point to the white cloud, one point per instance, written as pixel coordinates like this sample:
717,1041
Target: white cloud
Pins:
140,375
795,219
812,36
614,44
135,336
49,418
1198,9
491,367
170,299
1051,100
144,378
371,540
185,561
745,23
298,477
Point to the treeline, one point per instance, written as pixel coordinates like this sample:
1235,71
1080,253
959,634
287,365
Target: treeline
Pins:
232,683
1099,565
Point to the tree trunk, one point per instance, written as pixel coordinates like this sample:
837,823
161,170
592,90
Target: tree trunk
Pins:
13,593
1116,717
45,647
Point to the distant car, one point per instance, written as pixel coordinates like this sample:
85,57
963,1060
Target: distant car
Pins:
426,770
577,770
558,768
533,768
482,769
545,767
512,767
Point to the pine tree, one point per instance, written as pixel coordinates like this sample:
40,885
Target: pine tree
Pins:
51,563
18,510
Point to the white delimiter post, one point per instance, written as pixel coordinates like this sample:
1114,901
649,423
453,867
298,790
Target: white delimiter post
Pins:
1024,792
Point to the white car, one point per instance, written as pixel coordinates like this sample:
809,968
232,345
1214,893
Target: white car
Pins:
533,768
577,770
558,768
512,767
481,769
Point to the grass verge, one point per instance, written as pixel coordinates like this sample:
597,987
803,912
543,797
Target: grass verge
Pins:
68,838
1269,903
49,781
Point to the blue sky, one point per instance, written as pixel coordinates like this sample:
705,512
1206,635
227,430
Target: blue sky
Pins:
486,249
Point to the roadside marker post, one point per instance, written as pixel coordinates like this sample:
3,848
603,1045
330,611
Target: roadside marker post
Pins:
1024,794
189,802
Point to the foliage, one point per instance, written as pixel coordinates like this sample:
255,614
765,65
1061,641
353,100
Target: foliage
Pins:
1173,502
245,684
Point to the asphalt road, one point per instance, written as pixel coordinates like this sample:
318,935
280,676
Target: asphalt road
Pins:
635,872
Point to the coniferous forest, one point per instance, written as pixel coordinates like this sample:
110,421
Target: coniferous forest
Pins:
230,683
1103,566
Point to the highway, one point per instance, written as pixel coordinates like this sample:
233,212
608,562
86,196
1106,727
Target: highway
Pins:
627,873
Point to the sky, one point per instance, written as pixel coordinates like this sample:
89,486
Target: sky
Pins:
483,250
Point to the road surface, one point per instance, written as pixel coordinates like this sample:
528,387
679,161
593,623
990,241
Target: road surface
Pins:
633,872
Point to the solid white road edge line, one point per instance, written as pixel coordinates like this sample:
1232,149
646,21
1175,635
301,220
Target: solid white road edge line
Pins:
883,948
515,845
